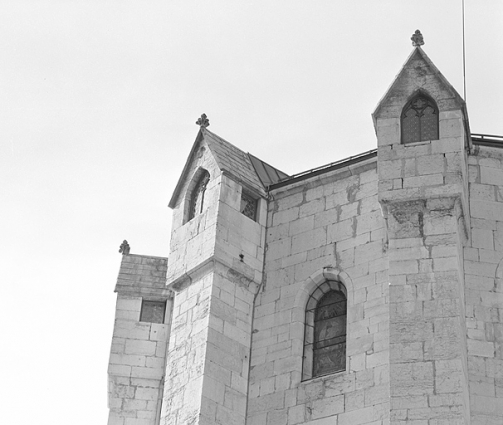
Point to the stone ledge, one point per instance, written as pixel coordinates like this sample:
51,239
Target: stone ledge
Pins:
236,272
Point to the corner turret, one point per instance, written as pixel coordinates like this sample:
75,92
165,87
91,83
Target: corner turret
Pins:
423,138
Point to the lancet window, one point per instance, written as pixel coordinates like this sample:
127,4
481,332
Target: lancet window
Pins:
419,120
197,197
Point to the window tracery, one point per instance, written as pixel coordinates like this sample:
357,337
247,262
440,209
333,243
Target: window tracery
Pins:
248,206
419,120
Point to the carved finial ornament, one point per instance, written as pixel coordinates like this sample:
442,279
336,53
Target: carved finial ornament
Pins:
417,39
203,121
124,248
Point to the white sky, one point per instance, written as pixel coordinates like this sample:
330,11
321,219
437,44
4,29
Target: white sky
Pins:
98,103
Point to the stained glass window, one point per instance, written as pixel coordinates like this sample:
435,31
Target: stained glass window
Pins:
325,331
248,206
197,198
152,311
419,120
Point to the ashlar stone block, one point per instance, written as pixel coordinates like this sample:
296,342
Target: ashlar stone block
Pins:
430,164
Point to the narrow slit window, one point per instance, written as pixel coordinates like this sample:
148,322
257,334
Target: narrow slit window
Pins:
419,120
197,198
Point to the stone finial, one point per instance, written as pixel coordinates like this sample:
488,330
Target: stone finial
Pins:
203,121
124,248
417,39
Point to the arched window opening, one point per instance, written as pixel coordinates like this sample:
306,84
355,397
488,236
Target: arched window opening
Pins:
325,331
197,197
419,120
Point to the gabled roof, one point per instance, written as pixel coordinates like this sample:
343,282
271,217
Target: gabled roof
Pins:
232,160
411,73
267,174
246,168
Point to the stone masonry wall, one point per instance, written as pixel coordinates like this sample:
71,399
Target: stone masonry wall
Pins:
193,242
209,351
415,237
423,190
484,286
327,228
187,353
208,356
138,353
228,349
427,346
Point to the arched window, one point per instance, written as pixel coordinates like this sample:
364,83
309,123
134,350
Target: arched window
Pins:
197,197
419,120
325,331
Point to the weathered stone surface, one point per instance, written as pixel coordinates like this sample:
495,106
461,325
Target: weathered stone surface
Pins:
414,238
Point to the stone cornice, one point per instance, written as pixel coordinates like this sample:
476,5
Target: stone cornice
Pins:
238,272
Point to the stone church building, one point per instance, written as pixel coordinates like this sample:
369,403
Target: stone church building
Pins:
365,292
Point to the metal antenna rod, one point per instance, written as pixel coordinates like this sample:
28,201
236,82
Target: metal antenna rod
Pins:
464,64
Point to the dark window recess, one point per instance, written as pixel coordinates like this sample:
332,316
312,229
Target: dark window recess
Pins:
325,331
152,311
329,340
197,198
248,206
419,120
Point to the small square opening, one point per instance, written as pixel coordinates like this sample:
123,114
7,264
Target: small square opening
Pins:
248,206
152,311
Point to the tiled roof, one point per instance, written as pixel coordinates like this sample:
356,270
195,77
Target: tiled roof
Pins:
233,160
247,169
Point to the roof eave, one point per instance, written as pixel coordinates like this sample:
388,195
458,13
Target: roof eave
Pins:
179,185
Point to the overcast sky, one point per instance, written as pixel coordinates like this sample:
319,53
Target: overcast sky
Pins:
98,103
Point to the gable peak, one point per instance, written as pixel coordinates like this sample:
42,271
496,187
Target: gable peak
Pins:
418,73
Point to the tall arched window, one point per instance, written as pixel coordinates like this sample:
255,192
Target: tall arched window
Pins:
325,331
197,197
419,120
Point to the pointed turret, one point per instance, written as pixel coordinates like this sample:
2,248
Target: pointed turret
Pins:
422,131
216,267
418,74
